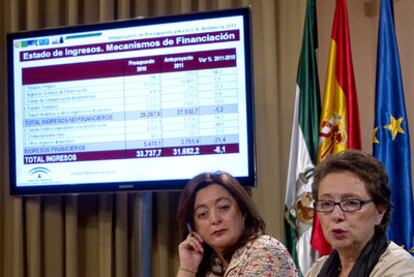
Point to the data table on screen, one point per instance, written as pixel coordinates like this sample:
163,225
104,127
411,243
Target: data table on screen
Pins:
157,106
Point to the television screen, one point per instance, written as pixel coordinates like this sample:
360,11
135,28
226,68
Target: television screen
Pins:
142,104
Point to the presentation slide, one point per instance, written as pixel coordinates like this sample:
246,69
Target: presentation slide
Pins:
142,103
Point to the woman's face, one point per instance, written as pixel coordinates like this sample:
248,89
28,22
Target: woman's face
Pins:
217,217
347,231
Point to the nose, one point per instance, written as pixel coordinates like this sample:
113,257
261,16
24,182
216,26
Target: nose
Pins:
337,215
215,217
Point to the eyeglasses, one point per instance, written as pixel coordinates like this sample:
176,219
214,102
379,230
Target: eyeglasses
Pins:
346,205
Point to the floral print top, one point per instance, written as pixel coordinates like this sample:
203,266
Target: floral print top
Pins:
264,256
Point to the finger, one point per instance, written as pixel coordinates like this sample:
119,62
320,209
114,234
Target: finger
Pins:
193,244
196,244
197,236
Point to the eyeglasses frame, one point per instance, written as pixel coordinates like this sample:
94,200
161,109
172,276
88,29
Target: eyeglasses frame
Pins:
362,202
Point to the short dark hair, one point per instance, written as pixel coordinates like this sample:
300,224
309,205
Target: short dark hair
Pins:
367,168
253,223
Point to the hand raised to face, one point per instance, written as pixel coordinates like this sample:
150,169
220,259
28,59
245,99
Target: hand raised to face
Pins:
191,252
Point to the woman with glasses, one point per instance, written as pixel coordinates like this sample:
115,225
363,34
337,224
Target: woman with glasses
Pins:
352,199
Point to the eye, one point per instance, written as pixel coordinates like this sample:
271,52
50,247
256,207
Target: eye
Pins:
202,215
224,207
351,203
325,204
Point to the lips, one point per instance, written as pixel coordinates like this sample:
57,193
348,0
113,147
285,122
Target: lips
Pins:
218,232
338,233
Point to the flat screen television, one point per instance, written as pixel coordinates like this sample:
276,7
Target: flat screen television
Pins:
141,104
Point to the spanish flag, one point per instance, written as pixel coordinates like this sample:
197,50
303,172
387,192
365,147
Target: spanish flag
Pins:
339,124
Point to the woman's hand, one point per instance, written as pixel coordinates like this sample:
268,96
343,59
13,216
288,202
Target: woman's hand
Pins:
191,253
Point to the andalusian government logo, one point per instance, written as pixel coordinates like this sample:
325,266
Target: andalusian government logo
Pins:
39,172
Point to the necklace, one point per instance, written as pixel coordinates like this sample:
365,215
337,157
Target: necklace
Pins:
217,267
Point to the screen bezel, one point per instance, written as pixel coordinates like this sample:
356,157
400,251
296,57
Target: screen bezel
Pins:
249,181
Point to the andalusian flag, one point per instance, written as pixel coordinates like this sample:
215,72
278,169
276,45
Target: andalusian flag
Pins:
391,137
303,148
339,125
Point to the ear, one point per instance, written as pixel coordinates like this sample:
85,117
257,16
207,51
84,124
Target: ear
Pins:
380,214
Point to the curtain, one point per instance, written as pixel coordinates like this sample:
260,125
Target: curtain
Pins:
96,234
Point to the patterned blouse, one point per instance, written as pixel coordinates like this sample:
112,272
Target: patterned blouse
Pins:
264,256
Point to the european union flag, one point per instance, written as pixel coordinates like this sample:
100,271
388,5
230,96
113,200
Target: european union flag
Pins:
391,136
